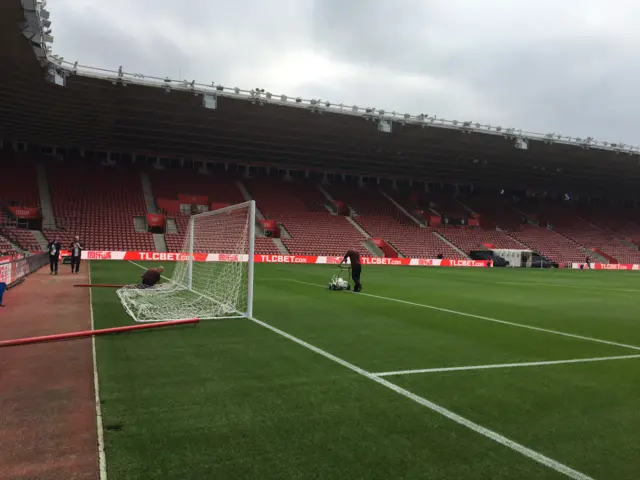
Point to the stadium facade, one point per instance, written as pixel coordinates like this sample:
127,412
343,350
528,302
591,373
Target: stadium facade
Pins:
122,159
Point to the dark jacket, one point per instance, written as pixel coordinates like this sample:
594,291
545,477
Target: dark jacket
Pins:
57,246
80,248
354,258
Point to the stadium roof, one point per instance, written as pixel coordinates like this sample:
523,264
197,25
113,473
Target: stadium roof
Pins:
124,112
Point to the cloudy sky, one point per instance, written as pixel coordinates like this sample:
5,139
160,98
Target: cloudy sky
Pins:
567,66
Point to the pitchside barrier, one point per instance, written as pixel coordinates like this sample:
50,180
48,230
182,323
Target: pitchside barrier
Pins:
13,270
298,259
311,260
606,266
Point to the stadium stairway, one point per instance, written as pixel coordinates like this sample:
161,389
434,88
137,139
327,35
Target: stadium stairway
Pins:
403,210
159,242
147,190
46,205
40,239
299,208
7,247
23,239
452,245
247,198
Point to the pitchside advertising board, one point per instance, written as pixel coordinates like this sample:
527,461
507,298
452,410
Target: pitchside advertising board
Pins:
311,260
298,259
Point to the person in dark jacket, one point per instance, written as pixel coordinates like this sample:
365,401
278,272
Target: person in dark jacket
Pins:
356,268
76,254
149,279
54,248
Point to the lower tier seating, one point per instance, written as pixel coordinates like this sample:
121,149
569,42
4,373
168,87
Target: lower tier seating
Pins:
408,238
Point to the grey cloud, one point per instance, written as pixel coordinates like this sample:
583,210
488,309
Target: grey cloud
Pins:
539,65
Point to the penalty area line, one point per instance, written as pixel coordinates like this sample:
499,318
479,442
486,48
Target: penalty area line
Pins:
460,420
504,365
480,317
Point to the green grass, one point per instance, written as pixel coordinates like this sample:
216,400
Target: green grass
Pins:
230,399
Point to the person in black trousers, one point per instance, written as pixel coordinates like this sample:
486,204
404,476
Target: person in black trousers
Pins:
54,255
76,254
356,268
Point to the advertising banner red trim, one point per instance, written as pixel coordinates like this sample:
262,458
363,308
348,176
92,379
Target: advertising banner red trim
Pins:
26,213
169,206
299,259
6,273
606,266
155,220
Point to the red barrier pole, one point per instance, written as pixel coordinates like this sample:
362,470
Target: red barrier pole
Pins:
103,285
89,333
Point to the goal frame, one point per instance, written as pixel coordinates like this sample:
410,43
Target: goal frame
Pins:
143,313
251,254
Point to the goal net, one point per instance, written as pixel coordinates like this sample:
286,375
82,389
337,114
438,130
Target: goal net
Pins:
212,279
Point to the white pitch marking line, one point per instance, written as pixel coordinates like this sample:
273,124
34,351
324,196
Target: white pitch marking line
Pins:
102,460
496,437
481,317
504,365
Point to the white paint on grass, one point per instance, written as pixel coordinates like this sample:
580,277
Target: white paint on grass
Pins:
504,365
481,317
102,461
496,437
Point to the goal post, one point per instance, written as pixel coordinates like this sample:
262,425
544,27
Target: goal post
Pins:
213,277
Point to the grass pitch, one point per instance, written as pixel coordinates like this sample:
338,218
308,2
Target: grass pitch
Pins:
231,399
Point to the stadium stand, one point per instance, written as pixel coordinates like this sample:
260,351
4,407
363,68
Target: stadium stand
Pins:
25,192
564,219
218,187
23,238
494,210
98,204
380,218
299,206
6,248
408,238
549,244
474,238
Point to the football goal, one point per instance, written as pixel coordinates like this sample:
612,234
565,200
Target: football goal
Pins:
213,278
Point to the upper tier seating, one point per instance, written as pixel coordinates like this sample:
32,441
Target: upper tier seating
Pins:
98,204
219,187
365,200
495,211
19,182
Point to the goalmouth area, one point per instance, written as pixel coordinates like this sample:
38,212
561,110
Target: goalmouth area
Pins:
433,373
